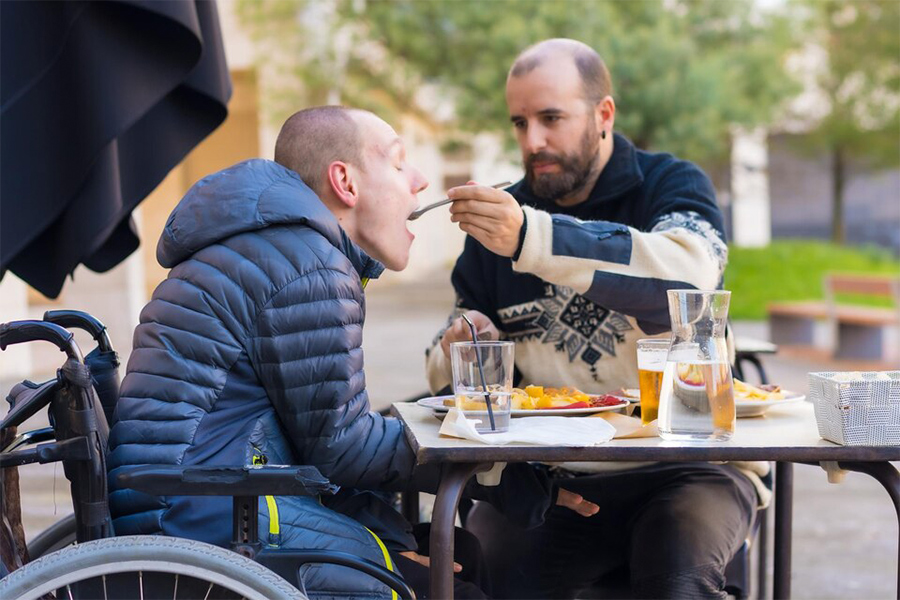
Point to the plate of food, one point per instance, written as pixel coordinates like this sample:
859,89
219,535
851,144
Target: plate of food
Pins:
753,401
540,401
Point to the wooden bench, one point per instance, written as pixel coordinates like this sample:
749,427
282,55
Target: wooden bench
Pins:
859,332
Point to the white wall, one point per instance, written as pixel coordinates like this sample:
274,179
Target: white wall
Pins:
750,206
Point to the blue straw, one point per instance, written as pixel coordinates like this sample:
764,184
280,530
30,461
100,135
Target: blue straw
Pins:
487,395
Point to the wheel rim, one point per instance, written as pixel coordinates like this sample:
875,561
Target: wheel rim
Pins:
140,566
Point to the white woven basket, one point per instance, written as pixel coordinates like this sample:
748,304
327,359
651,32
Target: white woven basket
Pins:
857,409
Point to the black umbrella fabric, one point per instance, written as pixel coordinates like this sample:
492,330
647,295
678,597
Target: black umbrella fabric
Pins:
98,102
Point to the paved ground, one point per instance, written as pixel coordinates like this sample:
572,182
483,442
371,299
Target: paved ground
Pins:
845,536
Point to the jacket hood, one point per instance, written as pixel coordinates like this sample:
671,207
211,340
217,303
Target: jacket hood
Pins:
250,196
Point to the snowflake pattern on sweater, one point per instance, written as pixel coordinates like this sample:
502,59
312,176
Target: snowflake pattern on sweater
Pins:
569,322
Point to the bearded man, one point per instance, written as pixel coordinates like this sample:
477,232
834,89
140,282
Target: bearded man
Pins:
572,264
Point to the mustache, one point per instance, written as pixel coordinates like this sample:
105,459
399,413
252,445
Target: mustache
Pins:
542,157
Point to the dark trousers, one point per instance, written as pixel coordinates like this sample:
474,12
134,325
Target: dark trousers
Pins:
669,528
472,583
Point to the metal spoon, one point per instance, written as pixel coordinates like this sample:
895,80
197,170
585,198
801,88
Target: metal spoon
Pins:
421,211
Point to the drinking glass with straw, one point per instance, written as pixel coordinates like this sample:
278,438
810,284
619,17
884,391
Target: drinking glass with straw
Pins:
482,380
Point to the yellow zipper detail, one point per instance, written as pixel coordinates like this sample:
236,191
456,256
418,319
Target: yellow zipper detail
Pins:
365,282
387,559
274,524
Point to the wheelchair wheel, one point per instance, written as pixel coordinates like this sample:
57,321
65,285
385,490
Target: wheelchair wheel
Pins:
56,537
146,567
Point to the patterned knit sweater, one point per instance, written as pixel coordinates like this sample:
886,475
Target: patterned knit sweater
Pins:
591,279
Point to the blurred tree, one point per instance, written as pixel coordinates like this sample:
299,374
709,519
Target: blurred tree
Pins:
860,81
684,71
314,52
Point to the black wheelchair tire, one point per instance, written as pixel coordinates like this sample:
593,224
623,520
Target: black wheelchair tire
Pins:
56,537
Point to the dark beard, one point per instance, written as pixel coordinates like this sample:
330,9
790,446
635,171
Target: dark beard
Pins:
575,169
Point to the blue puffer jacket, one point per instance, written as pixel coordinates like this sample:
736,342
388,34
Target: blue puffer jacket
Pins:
248,351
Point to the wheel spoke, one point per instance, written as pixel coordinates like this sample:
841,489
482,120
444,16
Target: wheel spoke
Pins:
112,568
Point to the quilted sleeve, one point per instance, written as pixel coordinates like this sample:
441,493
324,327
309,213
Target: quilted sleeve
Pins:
307,353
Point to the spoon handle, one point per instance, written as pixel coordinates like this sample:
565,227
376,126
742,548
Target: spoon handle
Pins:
421,211
418,213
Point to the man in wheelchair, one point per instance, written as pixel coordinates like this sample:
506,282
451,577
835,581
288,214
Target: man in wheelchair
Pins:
250,353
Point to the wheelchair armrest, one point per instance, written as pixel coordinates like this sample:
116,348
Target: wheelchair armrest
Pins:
45,434
286,561
27,398
269,480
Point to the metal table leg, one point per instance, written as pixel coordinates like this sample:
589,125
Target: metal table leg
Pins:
784,501
888,476
442,521
762,565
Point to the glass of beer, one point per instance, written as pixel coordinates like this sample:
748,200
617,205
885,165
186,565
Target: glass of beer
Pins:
651,358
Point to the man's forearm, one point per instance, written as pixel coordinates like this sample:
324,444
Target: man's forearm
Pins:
619,267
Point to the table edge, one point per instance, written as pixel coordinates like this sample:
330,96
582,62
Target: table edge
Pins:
657,454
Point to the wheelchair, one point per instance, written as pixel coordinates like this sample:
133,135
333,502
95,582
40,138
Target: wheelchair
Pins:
80,557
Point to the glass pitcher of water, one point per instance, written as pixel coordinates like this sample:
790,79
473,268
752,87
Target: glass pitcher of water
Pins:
697,396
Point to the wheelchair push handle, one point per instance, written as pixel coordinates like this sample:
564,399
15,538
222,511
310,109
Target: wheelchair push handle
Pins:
81,320
18,332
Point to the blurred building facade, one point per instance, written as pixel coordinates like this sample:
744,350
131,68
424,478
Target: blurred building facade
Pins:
800,187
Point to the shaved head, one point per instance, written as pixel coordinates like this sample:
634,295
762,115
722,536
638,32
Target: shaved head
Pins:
595,78
313,138
356,163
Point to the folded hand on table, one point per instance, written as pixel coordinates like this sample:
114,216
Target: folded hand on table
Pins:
576,502
425,561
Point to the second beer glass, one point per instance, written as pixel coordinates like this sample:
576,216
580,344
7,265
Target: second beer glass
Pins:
651,359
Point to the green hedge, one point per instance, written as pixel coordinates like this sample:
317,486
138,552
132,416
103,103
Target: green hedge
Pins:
793,270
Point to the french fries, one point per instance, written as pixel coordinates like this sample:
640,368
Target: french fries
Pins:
532,397
536,396
745,391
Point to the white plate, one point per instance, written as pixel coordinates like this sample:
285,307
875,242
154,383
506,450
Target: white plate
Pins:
755,408
636,399
436,403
